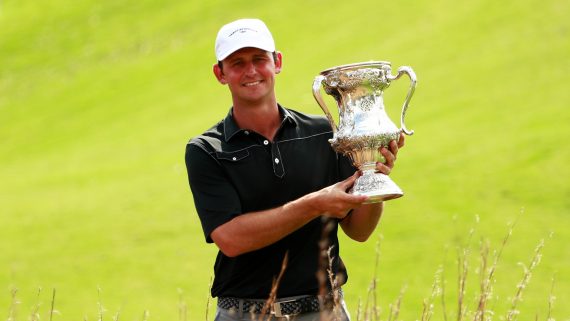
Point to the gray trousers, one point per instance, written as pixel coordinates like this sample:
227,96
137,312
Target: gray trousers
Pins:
234,315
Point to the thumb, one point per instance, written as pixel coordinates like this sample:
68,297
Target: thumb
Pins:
348,182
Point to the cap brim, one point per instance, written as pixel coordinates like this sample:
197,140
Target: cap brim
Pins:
231,50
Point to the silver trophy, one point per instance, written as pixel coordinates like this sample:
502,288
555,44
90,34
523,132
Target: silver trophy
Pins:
364,126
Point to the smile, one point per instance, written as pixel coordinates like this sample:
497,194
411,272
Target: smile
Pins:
249,84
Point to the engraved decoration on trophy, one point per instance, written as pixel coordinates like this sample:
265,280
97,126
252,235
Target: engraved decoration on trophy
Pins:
363,125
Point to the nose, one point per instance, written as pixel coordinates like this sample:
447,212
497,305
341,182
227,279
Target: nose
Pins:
250,69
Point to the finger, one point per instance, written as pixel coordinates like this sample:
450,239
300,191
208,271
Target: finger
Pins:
384,169
345,202
390,158
349,181
355,200
394,148
401,140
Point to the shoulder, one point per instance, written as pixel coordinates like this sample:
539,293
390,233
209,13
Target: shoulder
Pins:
209,141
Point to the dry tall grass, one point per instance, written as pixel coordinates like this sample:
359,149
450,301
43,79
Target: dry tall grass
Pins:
481,310
371,311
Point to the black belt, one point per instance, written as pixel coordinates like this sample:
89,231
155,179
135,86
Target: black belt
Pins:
280,308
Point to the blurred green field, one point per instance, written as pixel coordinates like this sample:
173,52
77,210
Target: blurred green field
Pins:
98,99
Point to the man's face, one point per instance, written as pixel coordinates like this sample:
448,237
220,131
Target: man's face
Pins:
249,74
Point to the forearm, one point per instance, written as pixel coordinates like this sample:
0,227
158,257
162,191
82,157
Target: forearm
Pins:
252,231
362,222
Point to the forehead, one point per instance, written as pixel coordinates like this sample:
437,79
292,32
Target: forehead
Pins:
247,52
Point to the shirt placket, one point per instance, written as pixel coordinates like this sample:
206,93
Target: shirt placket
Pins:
276,159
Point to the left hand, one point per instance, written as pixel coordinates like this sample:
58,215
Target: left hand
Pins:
390,155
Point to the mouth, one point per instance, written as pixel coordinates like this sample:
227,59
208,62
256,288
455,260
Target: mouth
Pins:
251,84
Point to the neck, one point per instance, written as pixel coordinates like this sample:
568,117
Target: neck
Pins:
263,118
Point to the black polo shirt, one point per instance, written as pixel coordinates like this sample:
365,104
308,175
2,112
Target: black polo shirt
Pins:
233,171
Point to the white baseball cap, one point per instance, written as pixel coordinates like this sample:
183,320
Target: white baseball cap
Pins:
243,33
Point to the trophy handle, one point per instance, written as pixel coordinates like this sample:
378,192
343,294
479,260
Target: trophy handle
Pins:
317,94
408,71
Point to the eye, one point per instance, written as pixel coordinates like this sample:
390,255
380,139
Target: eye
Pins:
260,59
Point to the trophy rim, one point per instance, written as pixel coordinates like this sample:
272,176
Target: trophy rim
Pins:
357,64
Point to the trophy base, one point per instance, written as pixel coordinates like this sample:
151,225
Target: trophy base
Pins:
377,186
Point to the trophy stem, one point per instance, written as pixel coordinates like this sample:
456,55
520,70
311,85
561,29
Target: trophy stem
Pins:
377,186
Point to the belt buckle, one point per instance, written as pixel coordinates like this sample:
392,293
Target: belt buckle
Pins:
276,308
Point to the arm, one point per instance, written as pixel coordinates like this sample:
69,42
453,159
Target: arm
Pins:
360,224
235,232
252,231
259,229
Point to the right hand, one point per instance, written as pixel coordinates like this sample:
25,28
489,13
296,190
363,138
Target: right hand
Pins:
334,201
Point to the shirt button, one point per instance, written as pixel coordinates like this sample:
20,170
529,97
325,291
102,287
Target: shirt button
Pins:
277,161
246,132
234,158
266,142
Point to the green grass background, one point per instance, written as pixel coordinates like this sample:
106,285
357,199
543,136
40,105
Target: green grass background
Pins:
98,99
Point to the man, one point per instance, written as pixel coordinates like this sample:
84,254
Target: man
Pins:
265,183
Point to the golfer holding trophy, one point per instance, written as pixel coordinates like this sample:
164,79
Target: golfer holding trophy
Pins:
264,198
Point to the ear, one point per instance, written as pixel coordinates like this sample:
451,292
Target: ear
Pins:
278,62
219,74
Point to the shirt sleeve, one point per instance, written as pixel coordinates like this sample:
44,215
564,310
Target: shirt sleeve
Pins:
215,199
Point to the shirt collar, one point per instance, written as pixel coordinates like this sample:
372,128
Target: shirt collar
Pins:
231,128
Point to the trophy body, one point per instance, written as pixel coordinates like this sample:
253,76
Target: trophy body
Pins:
364,127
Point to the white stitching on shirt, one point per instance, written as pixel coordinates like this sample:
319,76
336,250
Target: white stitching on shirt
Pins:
299,138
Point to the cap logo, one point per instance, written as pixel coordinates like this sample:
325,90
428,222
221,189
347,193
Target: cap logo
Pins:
241,30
